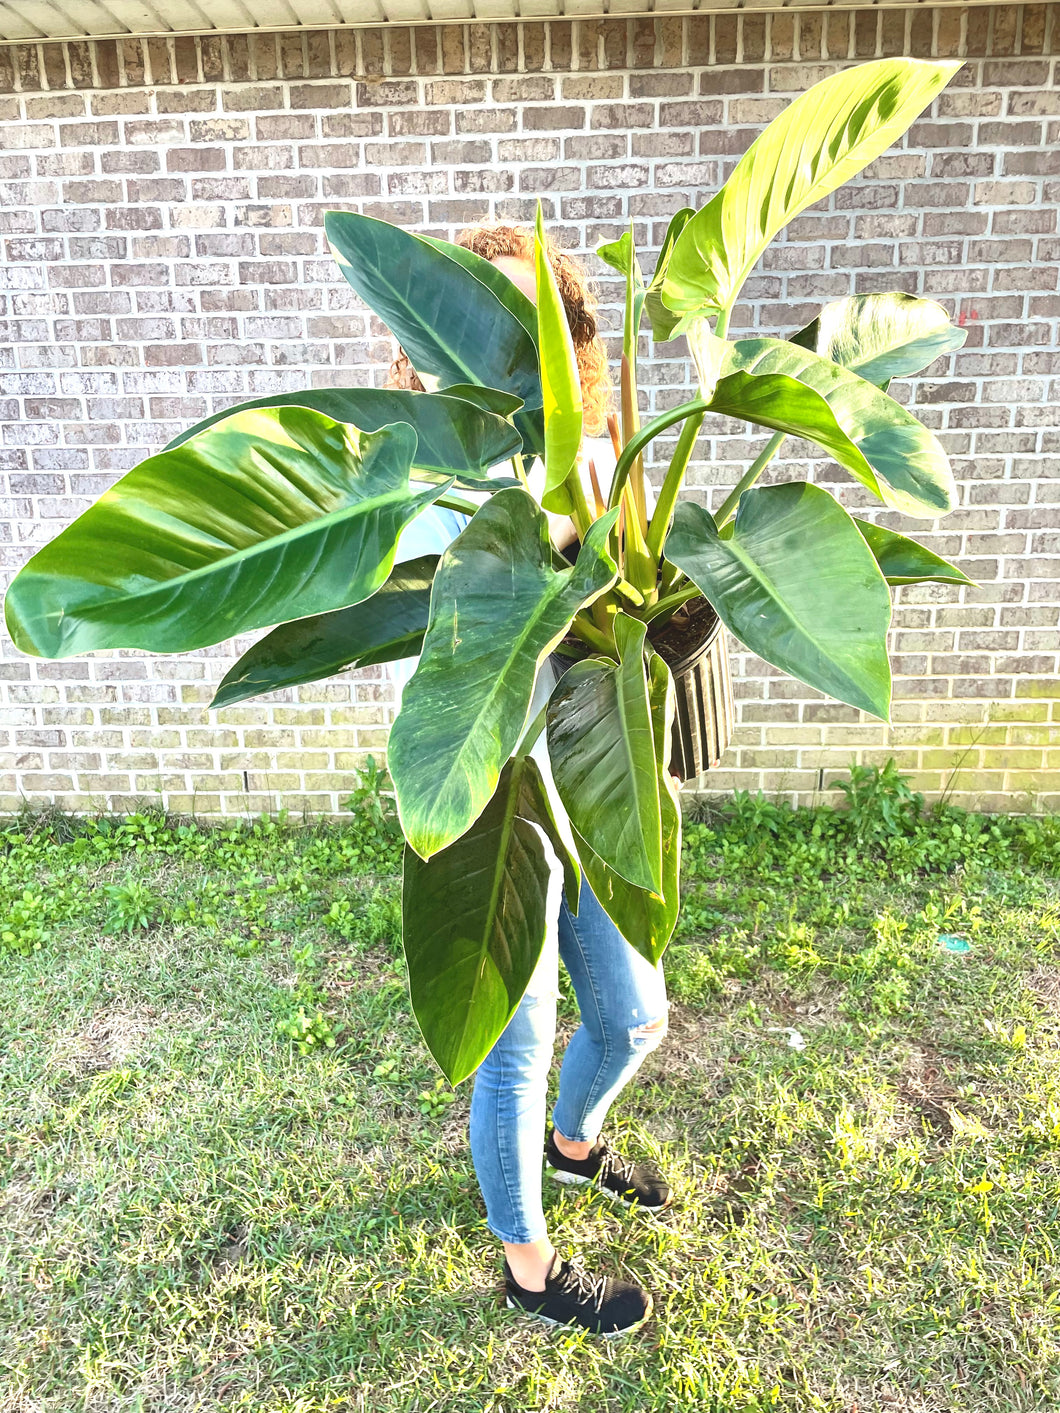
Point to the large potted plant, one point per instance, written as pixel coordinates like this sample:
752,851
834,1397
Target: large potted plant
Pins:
287,511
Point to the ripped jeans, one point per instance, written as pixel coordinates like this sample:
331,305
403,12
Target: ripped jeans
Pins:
622,999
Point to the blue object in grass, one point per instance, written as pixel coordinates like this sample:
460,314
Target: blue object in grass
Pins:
951,943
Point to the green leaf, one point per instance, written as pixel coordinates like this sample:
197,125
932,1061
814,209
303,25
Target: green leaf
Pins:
528,420
780,385
536,806
388,626
451,324
602,751
821,140
497,608
795,581
882,336
710,355
266,516
621,255
455,438
489,399
646,919
475,917
560,384
495,280
664,323
903,561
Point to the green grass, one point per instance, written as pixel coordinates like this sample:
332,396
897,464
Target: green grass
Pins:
230,1180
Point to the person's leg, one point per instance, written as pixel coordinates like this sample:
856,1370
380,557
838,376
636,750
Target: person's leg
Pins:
622,999
508,1118
507,1127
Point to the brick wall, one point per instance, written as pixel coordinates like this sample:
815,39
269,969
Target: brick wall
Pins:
162,206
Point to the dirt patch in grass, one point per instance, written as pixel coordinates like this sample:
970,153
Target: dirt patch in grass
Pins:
926,1089
111,1036
1045,983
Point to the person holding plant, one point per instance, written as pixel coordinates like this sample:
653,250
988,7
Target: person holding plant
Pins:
621,996
286,513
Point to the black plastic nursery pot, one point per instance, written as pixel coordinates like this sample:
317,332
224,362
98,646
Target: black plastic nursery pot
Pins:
693,646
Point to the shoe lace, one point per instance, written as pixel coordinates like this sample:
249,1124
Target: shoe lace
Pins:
574,1279
612,1165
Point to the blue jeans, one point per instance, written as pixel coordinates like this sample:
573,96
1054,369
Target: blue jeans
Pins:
620,995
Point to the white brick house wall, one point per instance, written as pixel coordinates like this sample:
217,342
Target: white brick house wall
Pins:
161,221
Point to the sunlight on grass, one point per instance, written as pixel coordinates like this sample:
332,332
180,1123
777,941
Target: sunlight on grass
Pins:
232,1182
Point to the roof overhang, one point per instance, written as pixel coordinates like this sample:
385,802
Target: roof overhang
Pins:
24,21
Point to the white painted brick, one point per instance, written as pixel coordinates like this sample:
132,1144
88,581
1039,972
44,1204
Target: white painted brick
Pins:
161,263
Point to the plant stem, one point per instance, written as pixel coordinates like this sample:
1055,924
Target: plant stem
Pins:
630,428
520,470
580,512
672,602
640,569
582,628
633,448
727,509
627,590
669,580
672,482
465,507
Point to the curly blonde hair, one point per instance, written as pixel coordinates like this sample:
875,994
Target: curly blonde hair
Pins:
579,301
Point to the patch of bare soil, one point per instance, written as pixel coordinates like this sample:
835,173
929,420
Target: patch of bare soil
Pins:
925,1087
1045,983
110,1038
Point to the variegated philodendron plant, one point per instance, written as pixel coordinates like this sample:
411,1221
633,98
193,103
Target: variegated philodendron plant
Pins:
288,511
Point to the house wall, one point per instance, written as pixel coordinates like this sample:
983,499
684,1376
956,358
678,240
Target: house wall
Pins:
162,206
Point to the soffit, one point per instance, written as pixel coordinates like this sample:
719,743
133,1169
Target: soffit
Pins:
22,20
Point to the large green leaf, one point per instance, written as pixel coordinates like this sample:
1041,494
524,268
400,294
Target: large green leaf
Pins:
794,580
528,420
266,516
602,750
903,561
882,336
646,919
560,383
475,917
537,808
451,324
822,139
781,385
388,626
454,437
497,608
509,293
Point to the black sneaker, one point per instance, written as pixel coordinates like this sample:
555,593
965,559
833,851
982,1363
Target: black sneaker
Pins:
631,1183
573,1297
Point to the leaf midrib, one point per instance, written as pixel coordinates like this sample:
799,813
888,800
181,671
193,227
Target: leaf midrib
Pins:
505,829
552,592
411,309
274,542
